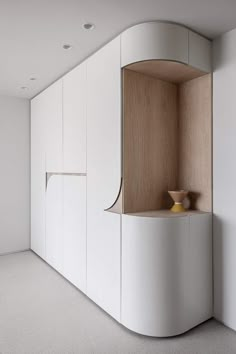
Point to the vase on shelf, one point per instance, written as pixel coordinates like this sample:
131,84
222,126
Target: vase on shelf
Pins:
178,198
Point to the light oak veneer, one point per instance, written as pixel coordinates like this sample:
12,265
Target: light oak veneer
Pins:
150,142
166,140
170,71
195,141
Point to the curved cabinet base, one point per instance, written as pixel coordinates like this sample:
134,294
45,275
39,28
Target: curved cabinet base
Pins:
174,334
166,273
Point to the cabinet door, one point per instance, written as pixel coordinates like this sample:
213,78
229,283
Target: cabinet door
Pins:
103,177
74,235
53,118
38,141
54,222
74,120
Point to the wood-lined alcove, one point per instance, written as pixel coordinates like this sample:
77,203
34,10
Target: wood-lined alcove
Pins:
167,135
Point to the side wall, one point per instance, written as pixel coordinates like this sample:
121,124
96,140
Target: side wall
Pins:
224,190
14,174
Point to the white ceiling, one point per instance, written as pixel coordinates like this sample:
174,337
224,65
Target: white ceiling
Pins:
32,32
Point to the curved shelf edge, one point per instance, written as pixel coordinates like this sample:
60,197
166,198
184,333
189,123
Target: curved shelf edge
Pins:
116,207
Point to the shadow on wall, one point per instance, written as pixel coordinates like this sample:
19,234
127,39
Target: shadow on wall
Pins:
224,50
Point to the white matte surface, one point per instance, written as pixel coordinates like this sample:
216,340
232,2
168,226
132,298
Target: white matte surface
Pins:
103,177
46,156
224,124
74,230
154,40
54,222
54,131
15,174
38,173
166,273
200,52
74,120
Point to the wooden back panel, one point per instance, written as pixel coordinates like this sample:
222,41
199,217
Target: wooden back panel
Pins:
167,141
195,141
149,142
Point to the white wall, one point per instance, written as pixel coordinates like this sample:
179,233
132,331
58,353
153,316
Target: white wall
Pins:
224,130
14,174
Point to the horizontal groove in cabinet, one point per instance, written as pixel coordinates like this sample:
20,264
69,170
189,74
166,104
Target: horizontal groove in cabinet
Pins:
50,174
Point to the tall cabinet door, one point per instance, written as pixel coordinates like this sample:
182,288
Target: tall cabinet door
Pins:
74,120
38,179
46,156
103,177
74,219
53,118
54,222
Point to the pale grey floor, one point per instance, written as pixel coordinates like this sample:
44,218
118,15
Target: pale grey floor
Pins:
40,312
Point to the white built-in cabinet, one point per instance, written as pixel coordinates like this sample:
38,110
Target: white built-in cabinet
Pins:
66,227
131,266
53,126
104,177
54,222
74,119
38,177
174,291
159,40
58,177
74,227
165,41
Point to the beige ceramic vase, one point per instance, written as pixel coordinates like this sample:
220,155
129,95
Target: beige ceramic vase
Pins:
178,197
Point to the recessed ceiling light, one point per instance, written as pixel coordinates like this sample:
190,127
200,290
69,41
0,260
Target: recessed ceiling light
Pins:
67,46
24,88
32,78
88,26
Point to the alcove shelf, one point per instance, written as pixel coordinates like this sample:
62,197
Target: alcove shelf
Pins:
166,135
166,213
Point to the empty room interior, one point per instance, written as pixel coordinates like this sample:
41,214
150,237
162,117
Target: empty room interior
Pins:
117,180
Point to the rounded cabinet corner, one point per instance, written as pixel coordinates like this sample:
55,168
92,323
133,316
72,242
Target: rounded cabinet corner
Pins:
154,41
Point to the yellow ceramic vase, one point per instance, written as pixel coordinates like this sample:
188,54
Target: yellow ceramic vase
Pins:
178,197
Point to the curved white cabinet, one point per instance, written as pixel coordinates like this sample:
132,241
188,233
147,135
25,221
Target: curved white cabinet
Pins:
166,273
165,41
161,266
154,40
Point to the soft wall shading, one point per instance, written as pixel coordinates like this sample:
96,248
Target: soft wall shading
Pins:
14,174
224,191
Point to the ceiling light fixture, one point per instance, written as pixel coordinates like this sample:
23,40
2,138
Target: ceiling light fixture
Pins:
33,78
67,46
88,26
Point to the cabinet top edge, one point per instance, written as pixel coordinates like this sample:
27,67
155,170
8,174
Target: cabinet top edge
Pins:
162,22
